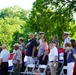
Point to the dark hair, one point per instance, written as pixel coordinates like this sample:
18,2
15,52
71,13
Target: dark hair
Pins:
56,37
51,41
44,37
73,43
68,45
21,40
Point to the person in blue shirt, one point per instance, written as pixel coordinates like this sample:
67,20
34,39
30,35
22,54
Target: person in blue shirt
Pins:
71,56
56,41
73,42
66,38
31,52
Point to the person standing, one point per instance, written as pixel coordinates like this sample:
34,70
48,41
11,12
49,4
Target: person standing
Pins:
53,58
22,49
4,57
40,35
56,41
43,52
66,39
31,49
17,60
22,44
71,57
73,42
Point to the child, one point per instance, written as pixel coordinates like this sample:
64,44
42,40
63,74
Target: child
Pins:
71,56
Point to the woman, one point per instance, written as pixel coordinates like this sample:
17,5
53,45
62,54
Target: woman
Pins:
17,60
71,56
73,42
42,52
53,58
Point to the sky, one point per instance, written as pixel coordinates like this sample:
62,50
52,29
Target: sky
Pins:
25,4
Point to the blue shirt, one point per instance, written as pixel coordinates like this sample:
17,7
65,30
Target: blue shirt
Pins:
75,48
70,57
56,41
30,47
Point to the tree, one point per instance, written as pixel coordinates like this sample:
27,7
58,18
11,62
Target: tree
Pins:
13,12
13,25
52,16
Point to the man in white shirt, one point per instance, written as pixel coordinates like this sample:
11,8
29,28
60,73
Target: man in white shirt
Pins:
41,34
53,58
66,39
4,57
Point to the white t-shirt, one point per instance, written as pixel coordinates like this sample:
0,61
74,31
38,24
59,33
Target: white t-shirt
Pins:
5,55
53,53
67,40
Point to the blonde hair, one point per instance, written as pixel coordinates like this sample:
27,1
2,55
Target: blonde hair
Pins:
4,46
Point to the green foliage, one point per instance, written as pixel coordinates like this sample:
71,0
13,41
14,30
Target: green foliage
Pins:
13,25
53,17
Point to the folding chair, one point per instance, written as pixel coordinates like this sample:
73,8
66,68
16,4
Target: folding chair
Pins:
48,69
29,69
10,71
41,70
64,68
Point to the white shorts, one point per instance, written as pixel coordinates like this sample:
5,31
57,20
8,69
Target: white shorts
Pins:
70,68
30,60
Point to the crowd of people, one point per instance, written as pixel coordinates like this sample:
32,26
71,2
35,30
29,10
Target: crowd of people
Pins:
39,49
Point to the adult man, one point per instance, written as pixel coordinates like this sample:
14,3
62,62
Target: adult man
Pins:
66,39
17,60
53,58
22,48
4,56
31,49
56,41
41,34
